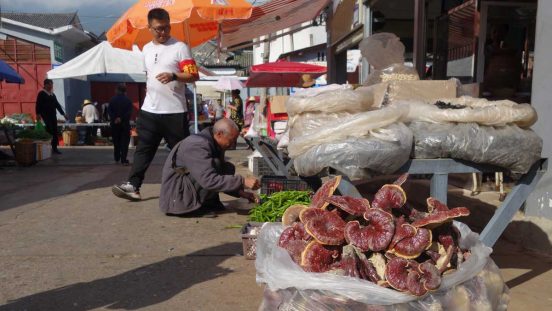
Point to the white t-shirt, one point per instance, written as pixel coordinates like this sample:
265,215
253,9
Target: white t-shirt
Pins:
90,113
165,98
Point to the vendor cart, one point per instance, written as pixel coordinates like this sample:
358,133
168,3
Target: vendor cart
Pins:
439,169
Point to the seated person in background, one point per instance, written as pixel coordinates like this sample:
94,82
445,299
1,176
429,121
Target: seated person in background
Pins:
195,172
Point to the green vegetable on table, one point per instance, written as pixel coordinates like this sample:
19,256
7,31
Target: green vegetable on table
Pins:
273,207
38,133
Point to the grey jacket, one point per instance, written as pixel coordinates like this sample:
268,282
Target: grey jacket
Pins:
195,159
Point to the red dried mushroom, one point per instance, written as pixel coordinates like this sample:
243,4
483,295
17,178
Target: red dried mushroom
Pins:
396,272
291,214
439,214
353,206
412,247
294,240
327,189
325,227
354,263
423,278
375,235
391,196
319,258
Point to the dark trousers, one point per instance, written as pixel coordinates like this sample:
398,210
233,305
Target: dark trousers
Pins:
151,129
121,137
51,127
90,134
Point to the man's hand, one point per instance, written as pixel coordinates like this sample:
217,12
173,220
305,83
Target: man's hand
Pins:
117,120
250,196
251,183
164,77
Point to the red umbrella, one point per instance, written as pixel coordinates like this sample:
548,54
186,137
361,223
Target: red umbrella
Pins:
282,74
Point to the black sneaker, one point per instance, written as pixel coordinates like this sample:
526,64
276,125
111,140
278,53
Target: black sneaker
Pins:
198,213
126,191
213,206
56,151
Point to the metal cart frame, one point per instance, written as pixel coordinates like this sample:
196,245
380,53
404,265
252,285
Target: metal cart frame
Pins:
439,170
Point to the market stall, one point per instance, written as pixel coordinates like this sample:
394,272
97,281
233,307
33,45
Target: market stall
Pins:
7,133
277,74
322,254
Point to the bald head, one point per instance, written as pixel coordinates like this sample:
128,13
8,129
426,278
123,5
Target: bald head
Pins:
225,126
225,133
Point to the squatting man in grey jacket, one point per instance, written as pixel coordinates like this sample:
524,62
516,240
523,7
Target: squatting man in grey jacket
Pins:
195,172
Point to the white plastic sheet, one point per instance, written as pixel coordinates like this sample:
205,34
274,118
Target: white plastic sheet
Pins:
357,125
509,146
477,110
329,99
384,151
476,282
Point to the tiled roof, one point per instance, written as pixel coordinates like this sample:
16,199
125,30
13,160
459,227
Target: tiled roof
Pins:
45,20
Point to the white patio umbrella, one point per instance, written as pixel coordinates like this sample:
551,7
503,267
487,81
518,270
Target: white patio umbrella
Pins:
228,83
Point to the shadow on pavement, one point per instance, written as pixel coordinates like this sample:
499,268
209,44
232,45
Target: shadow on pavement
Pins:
137,288
77,169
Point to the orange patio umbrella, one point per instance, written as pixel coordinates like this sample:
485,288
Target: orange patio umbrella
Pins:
192,21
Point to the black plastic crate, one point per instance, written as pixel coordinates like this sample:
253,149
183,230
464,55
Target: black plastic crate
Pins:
260,167
272,184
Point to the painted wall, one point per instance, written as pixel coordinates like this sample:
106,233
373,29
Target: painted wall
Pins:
70,92
540,202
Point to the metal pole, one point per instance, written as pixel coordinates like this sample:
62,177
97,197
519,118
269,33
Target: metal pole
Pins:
196,119
419,36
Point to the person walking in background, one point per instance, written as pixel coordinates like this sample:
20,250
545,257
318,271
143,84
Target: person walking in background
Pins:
119,110
46,106
249,112
90,115
169,66
236,109
219,110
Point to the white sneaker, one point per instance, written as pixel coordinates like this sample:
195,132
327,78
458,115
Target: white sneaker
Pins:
126,191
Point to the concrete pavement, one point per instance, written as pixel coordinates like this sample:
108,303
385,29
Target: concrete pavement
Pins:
66,243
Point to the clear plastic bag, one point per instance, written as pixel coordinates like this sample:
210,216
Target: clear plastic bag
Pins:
385,53
477,110
383,152
357,125
476,285
329,99
382,50
310,122
509,146
394,72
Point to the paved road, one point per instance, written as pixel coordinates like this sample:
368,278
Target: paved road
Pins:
66,243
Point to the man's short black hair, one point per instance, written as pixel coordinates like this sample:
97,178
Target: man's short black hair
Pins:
48,81
158,14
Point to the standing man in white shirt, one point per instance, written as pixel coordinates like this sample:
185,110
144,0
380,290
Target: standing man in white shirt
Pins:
169,66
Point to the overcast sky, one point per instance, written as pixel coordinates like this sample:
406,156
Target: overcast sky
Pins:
96,15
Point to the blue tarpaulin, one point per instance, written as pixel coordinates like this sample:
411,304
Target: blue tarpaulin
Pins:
8,74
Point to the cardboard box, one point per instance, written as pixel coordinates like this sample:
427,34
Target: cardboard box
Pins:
424,90
278,104
43,150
